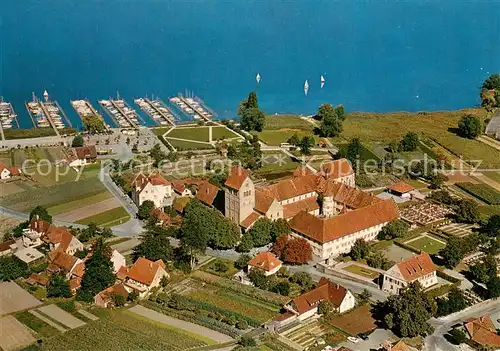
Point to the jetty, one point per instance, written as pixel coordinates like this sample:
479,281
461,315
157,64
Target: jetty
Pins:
7,116
193,107
47,114
121,112
84,108
157,110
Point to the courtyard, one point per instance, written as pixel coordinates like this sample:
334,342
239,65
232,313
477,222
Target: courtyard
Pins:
426,243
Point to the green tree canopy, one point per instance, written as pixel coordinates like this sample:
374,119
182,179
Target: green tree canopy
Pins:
395,229
145,209
470,127
58,287
242,261
252,118
492,226
410,142
331,120
155,245
77,141
467,211
354,149
360,250
93,123
306,143
42,213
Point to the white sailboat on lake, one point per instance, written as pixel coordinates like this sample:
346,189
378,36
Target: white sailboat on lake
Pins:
258,78
306,87
322,82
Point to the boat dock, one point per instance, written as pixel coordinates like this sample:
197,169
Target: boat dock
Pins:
7,116
193,107
84,108
123,115
157,110
47,114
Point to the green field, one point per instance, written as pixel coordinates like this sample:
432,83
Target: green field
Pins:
363,271
39,326
123,330
223,133
286,121
108,218
211,267
365,154
488,211
482,192
190,133
73,205
493,175
186,145
427,244
276,137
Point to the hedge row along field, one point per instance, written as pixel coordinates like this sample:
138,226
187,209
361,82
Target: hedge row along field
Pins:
482,192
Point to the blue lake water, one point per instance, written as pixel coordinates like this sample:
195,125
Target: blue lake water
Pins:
377,56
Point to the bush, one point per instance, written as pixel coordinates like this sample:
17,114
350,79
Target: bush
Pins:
242,324
247,341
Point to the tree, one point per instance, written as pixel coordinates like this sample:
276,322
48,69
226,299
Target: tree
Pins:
279,227
470,127
458,336
467,211
93,123
157,154
331,120
221,267
261,232
364,297
247,341
195,231
242,261
303,279
298,251
306,143
360,250
12,268
410,142
437,180
454,302
492,226
98,272
442,196
394,146
119,300
490,92
164,281
258,278
407,314
155,245
77,141
58,287
453,252
395,229
252,118
145,209
354,149
378,260
280,245
325,307
41,213
493,288
281,287
294,140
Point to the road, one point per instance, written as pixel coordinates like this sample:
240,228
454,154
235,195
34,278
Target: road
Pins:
437,342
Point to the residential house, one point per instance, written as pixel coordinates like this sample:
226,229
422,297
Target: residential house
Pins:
40,231
144,275
417,268
339,170
118,260
154,188
74,284
161,217
105,298
7,172
7,247
306,305
30,256
70,266
83,155
37,279
201,189
482,332
267,262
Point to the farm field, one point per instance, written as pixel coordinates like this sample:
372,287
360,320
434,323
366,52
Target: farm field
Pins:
363,271
36,324
487,211
427,244
278,136
61,316
77,204
355,322
493,175
366,154
482,192
13,298
107,218
13,334
122,330
273,122
90,210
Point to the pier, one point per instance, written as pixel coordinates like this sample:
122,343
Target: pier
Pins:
84,108
123,115
193,107
45,110
7,115
157,110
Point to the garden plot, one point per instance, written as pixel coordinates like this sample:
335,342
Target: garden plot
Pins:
13,298
306,335
355,322
426,243
13,334
61,316
88,210
458,229
363,271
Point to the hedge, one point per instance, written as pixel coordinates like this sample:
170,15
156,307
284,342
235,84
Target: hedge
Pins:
440,291
448,277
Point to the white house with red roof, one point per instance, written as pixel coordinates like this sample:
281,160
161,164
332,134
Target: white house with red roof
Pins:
7,172
58,238
417,268
267,262
143,275
154,188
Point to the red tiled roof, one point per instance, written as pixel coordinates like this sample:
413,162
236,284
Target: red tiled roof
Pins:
266,261
236,177
35,278
160,215
291,188
283,316
117,289
79,269
154,178
262,201
5,246
290,210
347,195
302,171
250,220
401,187
59,235
144,270
62,260
75,283
325,291
122,272
13,170
337,169
482,331
39,225
207,192
86,152
400,346
416,266
323,230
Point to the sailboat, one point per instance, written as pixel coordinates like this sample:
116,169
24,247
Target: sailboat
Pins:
257,78
306,87
322,82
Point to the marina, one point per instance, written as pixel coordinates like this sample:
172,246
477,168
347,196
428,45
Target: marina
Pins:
121,112
7,116
193,107
156,110
84,108
47,113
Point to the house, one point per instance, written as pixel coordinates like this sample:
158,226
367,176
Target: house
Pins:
482,332
37,279
74,284
306,305
267,262
339,170
401,189
70,266
118,260
30,256
7,172
161,217
40,231
201,189
417,268
83,155
333,236
144,275
105,298
154,188
7,247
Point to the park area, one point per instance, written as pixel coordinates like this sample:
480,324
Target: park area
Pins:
195,137
427,244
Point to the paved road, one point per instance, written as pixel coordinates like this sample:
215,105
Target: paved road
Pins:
437,342
24,217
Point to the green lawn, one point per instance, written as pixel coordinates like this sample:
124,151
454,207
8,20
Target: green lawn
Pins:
72,205
120,330
493,175
276,137
366,154
481,191
286,121
39,326
487,211
363,271
427,244
213,267
186,145
190,133
108,218
223,133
